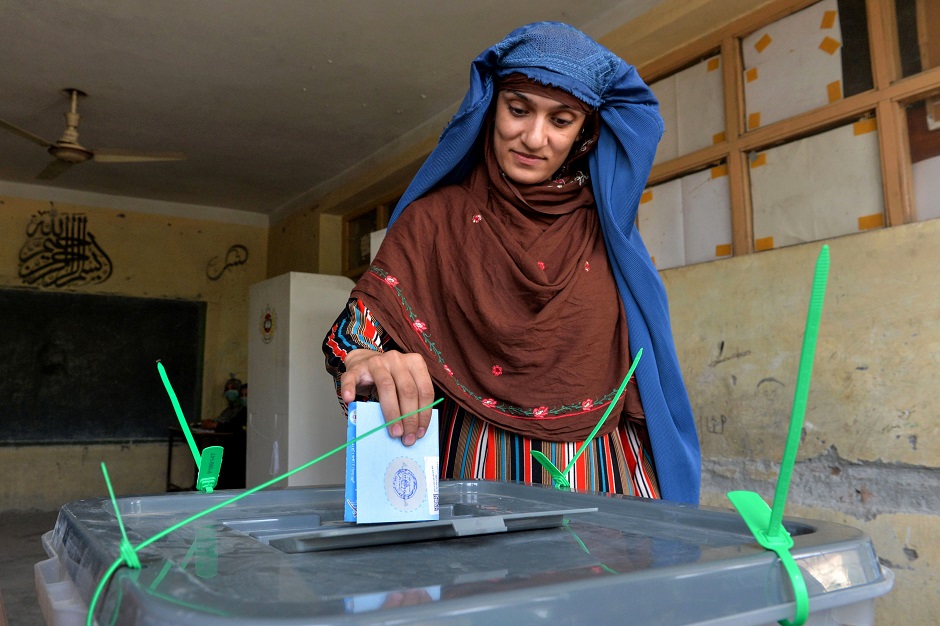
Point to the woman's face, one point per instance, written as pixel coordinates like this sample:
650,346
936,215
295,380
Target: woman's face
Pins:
533,135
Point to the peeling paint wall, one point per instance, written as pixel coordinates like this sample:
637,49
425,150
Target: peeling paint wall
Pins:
151,256
870,453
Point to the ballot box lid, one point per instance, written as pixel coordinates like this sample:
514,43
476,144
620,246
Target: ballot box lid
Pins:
520,554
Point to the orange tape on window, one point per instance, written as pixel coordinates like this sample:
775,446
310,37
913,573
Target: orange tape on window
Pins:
865,126
829,45
764,243
753,120
762,43
647,196
723,249
869,222
834,90
829,19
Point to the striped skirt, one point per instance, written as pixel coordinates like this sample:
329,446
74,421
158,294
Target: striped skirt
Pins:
472,449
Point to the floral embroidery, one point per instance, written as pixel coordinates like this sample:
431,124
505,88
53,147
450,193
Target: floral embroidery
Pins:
587,266
541,266
510,410
477,218
581,178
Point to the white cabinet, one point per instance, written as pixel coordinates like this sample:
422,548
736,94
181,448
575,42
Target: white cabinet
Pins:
293,414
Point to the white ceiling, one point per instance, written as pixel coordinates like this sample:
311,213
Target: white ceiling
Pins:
271,100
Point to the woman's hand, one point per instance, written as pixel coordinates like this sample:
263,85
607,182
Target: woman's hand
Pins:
400,381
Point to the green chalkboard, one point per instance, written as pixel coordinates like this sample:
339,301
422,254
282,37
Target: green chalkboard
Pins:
80,368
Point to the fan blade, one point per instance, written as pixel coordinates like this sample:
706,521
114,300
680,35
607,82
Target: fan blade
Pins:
131,156
54,169
25,133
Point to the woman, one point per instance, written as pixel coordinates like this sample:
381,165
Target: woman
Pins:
513,282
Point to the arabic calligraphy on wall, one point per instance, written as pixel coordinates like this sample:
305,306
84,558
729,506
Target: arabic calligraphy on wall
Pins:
236,255
60,251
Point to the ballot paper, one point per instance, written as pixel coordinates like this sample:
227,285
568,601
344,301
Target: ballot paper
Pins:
387,481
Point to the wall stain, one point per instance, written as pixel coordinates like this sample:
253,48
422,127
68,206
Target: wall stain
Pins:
719,359
715,425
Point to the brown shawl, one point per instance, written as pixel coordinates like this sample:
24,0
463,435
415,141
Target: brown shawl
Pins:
507,291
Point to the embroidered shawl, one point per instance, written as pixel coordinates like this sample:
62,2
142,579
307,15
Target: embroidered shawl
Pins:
630,127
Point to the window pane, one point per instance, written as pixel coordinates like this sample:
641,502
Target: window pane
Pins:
818,187
692,105
358,240
923,124
806,60
918,34
687,220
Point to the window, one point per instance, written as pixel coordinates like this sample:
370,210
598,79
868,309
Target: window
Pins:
818,187
687,220
692,106
803,110
923,124
357,236
918,25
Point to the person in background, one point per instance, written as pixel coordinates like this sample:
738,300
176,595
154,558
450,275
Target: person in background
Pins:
237,421
512,282
232,420
232,473
232,394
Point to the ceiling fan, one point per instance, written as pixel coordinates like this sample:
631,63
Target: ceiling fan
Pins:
68,152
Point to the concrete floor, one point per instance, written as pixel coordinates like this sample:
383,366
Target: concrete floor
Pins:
20,550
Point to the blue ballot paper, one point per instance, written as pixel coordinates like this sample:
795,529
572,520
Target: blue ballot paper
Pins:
387,481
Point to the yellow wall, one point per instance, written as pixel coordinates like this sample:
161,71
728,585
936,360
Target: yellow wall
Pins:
156,257
295,243
871,451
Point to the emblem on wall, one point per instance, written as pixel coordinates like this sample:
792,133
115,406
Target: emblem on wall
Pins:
60,251
268,324
236,255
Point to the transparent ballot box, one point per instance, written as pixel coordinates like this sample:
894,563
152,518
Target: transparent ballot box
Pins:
501,553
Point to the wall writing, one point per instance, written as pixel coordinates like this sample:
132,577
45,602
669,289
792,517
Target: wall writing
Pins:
60,251
235,256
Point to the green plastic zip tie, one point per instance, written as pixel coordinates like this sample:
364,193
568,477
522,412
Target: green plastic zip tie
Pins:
566,524
209,461
559,478
766,524
89,620
127,551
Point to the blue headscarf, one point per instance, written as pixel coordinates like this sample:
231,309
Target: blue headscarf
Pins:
558,55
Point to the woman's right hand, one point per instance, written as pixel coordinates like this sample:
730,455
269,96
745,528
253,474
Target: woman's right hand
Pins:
400,381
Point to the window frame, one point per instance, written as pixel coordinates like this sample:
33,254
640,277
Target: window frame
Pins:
886,102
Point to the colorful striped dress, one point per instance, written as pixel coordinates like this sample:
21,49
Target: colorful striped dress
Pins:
473,449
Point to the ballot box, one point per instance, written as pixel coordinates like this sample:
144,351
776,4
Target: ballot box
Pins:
501,553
